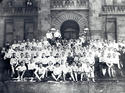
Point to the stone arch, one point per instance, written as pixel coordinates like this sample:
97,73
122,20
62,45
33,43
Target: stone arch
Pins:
58,20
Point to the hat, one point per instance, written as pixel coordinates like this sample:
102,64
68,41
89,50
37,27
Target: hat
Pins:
52,29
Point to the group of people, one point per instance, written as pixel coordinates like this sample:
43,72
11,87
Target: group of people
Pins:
74,60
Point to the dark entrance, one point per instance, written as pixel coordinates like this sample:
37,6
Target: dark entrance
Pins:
70,30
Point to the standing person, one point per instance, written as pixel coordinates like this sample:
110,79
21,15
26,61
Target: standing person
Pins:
3,76
123,60
49,36
110,65
57,35
120,61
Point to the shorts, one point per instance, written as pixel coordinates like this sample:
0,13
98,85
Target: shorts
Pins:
45,65
49,73
29,73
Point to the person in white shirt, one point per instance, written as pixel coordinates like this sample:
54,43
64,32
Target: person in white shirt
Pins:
67,70
40,72
31,69
44,60
13,63
57,35
50,69
57,72
21,69
49,36
79,71
109,63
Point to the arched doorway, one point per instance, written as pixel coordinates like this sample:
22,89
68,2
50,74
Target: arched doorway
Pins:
70,30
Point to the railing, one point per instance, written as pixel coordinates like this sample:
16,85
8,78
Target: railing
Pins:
69,4
20,11
113,9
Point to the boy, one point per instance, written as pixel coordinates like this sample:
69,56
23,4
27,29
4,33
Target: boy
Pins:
21,70
66,70
57,72
79,71
40,72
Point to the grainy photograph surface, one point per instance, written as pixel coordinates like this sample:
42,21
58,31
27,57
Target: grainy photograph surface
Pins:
62,46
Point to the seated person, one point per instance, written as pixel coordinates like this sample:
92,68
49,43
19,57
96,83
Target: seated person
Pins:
21,70
89,72
57,72
40,72
44,60
50,68
66,69
13,63
31,69
79,71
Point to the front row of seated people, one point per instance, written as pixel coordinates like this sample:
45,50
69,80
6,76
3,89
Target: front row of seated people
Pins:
58,70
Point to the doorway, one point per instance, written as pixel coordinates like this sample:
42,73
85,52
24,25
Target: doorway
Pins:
70,30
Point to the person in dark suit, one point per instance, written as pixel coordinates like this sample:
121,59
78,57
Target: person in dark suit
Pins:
70,59
4,88
122,60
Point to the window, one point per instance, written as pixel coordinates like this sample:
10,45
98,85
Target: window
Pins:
114,2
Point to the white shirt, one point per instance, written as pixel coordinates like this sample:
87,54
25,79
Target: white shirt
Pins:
21,68
57,71
57,34
49,35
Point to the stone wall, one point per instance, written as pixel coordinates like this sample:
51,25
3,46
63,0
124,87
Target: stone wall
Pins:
121,28
95,20
44,17
81,17
1,31
1,24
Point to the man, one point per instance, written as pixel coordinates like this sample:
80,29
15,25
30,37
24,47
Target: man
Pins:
57,35
49,37
3,77
70,59
122,58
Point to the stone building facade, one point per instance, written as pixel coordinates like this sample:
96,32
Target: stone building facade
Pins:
28,19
